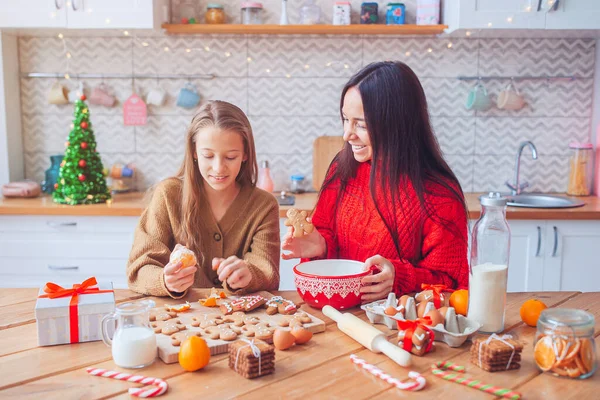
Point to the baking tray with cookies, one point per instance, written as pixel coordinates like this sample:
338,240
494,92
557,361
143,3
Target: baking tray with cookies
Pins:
221,320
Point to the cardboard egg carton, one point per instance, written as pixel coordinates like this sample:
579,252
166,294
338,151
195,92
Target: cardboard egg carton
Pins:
454,331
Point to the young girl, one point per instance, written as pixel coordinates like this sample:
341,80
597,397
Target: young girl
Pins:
213,207
389,198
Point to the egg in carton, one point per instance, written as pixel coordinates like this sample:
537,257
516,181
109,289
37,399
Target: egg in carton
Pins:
449,327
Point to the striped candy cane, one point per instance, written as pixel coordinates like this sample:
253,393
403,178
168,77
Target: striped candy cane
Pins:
439,369
417,384
156,388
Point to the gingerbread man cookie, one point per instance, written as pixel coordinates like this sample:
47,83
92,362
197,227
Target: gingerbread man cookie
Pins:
167,327
244,303
180,337
239,318
278,304
298,220
223,332
206,320
262,331
298,319
162,314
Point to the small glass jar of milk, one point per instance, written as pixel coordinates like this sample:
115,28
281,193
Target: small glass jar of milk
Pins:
488,278
134,342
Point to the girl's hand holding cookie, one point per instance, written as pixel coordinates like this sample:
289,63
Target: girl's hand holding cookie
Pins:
178,279
232,270
306,246
379,285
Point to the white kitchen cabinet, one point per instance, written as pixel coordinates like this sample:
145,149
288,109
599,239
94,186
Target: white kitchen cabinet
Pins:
38,249
572,256
526,260
286,273
84,14
522,14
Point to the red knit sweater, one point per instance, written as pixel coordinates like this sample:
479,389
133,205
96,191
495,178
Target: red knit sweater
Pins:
439,255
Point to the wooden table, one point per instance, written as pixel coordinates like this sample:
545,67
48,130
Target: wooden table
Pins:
320,369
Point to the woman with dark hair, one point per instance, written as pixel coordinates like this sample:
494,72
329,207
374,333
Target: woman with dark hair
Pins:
389,198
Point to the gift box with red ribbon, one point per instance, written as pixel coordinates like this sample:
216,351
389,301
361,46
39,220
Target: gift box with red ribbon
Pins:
73,313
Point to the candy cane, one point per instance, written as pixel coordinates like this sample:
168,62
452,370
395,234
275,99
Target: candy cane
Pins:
417,384
439,369
158,386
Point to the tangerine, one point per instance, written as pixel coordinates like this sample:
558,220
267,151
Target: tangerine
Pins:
531,310
194,354
460,301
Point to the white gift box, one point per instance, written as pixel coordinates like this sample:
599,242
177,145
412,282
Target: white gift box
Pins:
53,316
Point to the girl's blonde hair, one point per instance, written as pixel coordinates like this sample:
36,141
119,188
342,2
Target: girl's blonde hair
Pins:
225,117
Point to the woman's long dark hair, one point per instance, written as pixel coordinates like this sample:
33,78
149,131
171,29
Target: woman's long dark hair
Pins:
405,150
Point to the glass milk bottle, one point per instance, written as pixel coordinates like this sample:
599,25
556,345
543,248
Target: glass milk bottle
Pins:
134,342
490,244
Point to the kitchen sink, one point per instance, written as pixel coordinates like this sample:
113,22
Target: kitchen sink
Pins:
532,200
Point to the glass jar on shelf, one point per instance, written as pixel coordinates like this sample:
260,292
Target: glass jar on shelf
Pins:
581,169
297,184
310,13
564,344
214,14
252,13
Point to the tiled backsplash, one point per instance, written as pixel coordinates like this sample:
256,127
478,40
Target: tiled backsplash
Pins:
290,88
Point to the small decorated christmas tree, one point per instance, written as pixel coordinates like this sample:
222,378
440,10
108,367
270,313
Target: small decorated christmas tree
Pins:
81,179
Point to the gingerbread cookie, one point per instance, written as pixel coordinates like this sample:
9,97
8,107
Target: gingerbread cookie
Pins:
421,341
167,327
180,337
278,304
162,314
262,331
206,320
298,319
239,318
298,220
223,332
244,303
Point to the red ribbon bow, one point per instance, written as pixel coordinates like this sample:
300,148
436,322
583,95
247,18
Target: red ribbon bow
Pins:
409,328
437,291
54,291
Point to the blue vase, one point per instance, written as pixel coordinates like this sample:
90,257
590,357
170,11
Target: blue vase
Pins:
52,174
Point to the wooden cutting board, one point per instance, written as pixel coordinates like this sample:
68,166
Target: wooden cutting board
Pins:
324,149
169,353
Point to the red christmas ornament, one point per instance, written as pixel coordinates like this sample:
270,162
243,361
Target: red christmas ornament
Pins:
81,177
184,20
83,97
83,125
56,186
82,163
83,145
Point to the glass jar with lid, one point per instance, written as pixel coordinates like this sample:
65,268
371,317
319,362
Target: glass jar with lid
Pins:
297,184
581,168
214,14
564,344
252,13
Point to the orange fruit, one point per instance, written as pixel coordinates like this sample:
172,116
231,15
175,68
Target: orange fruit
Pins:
531,310
194,354
544,353
460,301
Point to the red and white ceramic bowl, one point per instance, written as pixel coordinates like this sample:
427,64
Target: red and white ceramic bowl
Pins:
330,282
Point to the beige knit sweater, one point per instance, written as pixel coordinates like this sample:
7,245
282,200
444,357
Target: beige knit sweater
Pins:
249,230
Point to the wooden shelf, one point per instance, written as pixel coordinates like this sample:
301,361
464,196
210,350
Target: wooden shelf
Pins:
356,29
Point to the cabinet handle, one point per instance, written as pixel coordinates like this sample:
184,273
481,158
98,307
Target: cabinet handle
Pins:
539,244
539,7
58,7
62,267
555,249
73,5
60,224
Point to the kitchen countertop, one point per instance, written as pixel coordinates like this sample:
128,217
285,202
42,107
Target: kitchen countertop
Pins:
319,369
132,204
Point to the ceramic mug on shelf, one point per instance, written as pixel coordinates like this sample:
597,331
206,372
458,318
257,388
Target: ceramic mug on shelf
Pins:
100,96
510,98
156,96
58,94
188,96
75,95
478,98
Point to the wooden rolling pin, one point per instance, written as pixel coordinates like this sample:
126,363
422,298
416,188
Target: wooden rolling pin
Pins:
367,335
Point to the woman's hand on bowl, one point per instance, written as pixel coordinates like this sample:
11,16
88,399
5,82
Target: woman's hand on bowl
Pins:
379,285
307,246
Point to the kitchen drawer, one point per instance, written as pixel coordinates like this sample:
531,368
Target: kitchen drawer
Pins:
34,272
67,224
66,245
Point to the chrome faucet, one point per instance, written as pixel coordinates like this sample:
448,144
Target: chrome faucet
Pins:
517,187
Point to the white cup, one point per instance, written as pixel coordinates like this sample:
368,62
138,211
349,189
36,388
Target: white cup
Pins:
75,95
510,98
156,97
